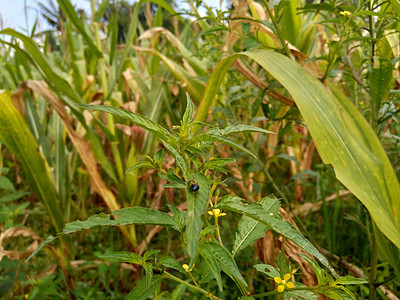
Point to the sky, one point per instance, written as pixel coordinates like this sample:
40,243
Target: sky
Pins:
12,12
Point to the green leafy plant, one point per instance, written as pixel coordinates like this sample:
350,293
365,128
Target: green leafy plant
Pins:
202,241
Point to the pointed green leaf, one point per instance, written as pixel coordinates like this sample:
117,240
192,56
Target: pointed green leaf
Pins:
240,128
226,262
249,230
268,270
188,115
142,290
124,256
137,119
170,262
15,135
345,280
140,164
212,263
197,204
273,220
221,139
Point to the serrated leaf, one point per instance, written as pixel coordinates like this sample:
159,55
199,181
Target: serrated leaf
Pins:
226,263
179,217
148,268
137,119
159,157
124,256
212,263
188,115
221,139
142,291
179,160
171,177
250,230
218,162
197,204
255,211
150,253
125,216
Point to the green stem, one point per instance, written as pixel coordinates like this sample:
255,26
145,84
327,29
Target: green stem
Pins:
374,261
278,30
193,287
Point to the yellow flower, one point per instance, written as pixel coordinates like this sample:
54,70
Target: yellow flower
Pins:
186,267
345,13
282,283
216,213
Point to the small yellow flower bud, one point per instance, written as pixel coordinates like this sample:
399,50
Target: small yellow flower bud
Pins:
345,13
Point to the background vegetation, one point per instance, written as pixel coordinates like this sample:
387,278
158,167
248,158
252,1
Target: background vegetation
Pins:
322,76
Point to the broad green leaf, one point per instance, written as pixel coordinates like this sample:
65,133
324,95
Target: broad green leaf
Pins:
170,262
205,137
179,217
171,177
179,160
317,269
256,212
301,295
125,216
345,280
240,128
342,136
175,185
143,290
218,162
197,204
137,119
212,263
6,184
188,115
249,230
15,135
124,256
13,196
148,254
148,268
268,270
178,292
226,263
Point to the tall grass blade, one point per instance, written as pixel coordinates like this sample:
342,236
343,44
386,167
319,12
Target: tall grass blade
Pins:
15,134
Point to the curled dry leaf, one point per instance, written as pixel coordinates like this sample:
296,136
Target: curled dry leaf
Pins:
15,232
